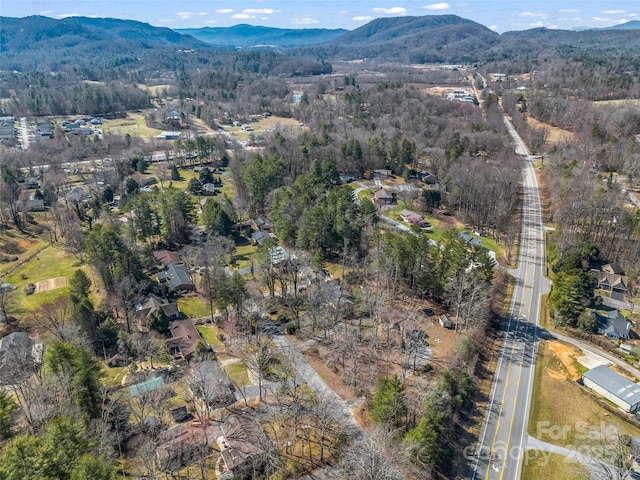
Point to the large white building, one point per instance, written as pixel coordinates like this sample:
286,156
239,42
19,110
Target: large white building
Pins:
614,387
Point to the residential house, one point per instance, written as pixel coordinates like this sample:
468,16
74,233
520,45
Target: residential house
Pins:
209,189
19,357
31,183
383,197
259,236
613,324
76,194
174,115
44,128
154,304
184,336
344,179
166,257
612,282
382,173
34,204
7,128
177,277
613,268
184,445
243,447
260,223
469,240
429,178
211,384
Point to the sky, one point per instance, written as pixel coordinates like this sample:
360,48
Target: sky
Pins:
499,15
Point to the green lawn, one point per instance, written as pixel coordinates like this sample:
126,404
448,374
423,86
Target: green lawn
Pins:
237,373
133,124
50,263
186,174
113,376
210,334
551,466
194,307
13,243
245,253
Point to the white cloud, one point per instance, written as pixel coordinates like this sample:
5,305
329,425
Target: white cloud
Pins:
225,10
437,6
600,19
46,12
569,10
65,15
304,21
534,14
241,16
632,15
343,12
493,27
184,15
537,24
211,22
259,11
202,14
613,12
362,18
390,11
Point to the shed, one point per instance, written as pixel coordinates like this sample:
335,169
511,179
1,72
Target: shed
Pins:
614,387
445,322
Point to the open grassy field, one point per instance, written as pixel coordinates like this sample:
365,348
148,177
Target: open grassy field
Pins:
556,135
53,262
623,101
154,90
551,466
134,124
14,244
555,401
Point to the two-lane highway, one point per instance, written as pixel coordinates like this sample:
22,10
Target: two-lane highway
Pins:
503,438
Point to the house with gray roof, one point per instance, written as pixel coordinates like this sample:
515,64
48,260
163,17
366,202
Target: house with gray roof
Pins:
211,384
176,276
614,387
469,240
154,304
613,324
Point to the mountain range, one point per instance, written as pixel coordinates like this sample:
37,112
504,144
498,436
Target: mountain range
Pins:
44,43
250,36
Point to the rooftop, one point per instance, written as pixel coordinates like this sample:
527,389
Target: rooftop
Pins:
616,384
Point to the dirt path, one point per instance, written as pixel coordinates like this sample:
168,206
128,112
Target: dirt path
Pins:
343,410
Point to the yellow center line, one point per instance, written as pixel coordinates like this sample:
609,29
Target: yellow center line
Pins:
526,268
515,401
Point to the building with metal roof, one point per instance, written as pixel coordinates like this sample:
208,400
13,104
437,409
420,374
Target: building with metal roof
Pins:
614,387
